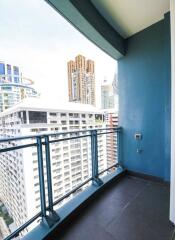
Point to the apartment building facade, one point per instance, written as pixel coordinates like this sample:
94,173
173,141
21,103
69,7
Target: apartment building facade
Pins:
70,160
111,121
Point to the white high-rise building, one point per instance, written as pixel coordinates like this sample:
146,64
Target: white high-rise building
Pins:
70,160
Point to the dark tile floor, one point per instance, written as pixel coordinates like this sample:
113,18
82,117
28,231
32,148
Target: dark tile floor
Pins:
131,209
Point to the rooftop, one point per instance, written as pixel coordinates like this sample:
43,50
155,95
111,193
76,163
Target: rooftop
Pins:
39,104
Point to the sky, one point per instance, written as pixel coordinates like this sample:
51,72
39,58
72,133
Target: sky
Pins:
36,38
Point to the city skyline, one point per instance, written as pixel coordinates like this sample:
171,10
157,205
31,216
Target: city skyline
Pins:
42,47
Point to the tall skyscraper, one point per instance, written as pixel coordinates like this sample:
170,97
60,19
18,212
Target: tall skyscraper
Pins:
70,160
13,86
81,80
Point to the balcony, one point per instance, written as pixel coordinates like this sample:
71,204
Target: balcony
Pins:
87,185
116,205
134,198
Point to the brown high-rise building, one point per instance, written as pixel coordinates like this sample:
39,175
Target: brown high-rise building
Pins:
81,80
111,119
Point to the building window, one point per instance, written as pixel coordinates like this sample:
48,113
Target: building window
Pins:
53,114
63,114
53,122
37,117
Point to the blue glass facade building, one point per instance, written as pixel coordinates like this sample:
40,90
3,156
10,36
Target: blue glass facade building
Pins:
9,73
13,87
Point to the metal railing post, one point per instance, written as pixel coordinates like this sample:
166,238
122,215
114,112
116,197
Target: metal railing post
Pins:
119,146
41,177
94,158
52,214
47,220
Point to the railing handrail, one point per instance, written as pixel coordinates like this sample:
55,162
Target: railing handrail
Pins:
8,139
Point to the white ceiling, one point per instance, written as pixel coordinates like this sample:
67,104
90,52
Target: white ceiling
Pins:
131,16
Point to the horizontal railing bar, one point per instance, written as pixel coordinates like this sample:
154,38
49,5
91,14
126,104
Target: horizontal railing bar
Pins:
116,128
54,134
105,170
86,130
105,133
72,191
67,132
17,231
18,138
17,147
50,141
81,131
64,139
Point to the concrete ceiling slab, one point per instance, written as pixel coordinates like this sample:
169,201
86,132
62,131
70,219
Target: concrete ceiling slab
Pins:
131,16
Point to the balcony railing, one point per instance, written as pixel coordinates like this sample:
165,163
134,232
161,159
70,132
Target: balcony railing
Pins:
42,142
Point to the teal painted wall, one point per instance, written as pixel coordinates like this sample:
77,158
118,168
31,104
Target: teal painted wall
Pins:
144,99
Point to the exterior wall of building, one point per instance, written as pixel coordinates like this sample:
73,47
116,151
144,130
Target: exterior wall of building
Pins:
11,94
13,88
70,70
4,229
70,160
81,80
9,73
11,172
111,121
144,100
107,96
